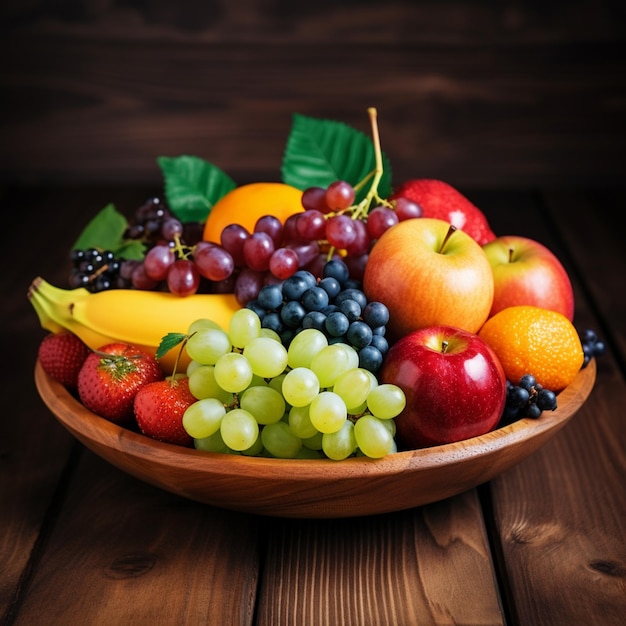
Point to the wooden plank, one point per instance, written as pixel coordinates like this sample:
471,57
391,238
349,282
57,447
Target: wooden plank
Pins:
427,565
122,552
560,514
35,452
325,21
588,223
98,109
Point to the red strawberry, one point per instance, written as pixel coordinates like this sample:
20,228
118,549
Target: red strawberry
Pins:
441,200
62,355
159,409
110,378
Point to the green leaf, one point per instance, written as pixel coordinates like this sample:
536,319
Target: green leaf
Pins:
105,231
319,152
131,249
193,186
169,341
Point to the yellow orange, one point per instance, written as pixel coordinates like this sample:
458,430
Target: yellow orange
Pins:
246,203
537,341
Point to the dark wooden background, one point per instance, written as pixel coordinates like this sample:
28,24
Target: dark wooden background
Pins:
479,93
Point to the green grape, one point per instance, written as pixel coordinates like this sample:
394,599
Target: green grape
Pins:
255,449
386,401
202,324
192,366
270,334
304,346
390,425
332,361
372,437
354,386
300,386
202,384
267,357
203,418
239,429
266,404
328,412
279,441
277,382
212,443
340,444
207,345
244,326
314,442
300,422
233,372
309,453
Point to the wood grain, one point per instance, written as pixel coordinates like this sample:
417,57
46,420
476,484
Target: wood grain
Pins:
562,546
430,565
154,558
478,95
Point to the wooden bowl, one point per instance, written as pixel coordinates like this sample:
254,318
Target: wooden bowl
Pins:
314,488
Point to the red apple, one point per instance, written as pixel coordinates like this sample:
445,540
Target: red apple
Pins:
428,274
439,199
454,384
526,272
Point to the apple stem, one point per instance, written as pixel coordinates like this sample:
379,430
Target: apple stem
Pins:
444,346
451,230
511,253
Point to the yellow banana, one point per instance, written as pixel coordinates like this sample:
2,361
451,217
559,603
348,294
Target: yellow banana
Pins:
142,318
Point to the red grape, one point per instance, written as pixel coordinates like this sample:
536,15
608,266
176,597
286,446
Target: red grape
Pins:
284,262
183,279
232,238
379,220
407,209
257,250
214,263
340,231
158,261
339,195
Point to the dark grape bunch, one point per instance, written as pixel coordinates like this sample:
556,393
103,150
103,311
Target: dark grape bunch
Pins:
527,398
96,270
592,345
153,222
334,303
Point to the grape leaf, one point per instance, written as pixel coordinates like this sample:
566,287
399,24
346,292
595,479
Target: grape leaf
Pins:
319,152
105,231
193,186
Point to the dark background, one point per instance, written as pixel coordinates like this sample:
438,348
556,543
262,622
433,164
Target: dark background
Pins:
481,94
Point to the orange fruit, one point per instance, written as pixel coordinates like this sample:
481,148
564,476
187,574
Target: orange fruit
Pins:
247,203
533,340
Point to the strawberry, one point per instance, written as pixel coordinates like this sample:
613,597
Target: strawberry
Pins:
159,409
440,200
62,355
111,377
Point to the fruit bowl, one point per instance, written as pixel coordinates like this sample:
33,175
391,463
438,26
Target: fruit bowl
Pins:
314,488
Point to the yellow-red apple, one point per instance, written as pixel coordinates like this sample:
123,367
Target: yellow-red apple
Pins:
526,272
429,273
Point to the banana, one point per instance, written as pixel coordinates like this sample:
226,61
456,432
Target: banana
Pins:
133,316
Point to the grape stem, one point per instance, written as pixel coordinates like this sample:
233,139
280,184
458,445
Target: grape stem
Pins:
362,208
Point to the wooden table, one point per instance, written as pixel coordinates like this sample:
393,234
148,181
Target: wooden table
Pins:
544,543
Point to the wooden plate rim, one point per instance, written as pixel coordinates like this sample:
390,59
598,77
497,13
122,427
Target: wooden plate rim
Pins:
89,427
